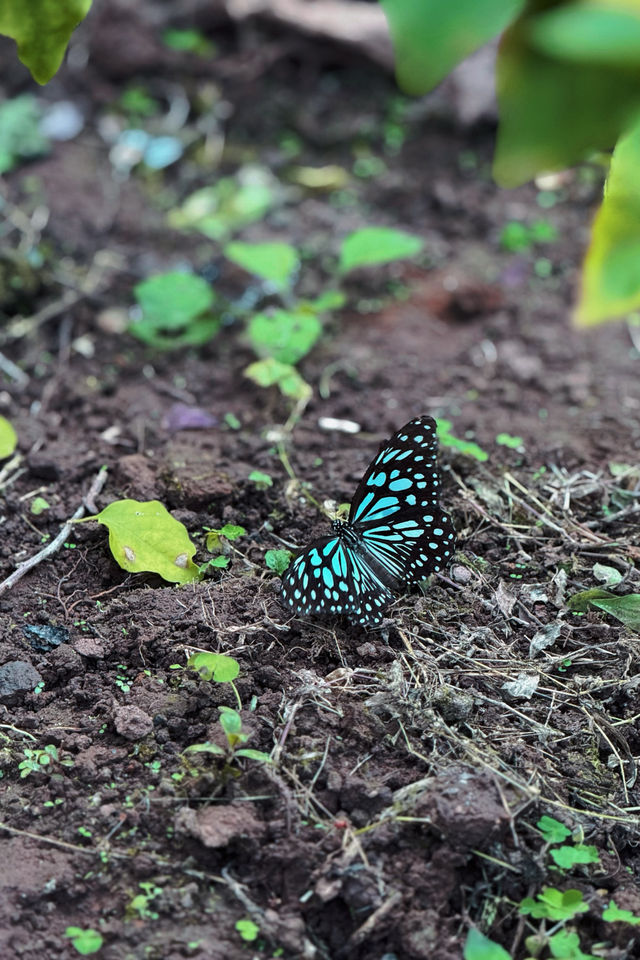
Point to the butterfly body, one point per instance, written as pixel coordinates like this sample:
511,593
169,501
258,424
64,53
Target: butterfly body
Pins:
396,535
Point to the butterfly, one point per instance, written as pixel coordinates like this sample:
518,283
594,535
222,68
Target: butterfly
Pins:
396,535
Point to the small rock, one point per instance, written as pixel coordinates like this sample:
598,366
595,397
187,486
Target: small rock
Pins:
132,723
17,677
88,647
217,826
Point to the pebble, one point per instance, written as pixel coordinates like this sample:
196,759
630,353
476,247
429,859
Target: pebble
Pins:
17,677
132,723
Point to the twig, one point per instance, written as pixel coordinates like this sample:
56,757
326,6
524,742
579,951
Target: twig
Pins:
13,370
88,503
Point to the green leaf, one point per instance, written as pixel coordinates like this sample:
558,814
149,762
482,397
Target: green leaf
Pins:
271,372
144,537
467,447
230,531
262,480
214,666
479,947
568,857
554,904
625,609
278,560
248,930
610,277
190,41
581,602
554,113
592,32
565,945
329,300
39,505
552,830
232,203
207,747
431,37
175,310
20,125
275,262
85,942
253,755
506,440
41,29
286,336
8,439
221,562
375,245
615,914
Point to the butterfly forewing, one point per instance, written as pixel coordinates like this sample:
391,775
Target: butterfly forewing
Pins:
403,475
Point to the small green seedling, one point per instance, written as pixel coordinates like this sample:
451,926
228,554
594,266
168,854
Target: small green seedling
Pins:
262,480
175,311
215,538
479,947
86,941
231,723
21,136
467,447
145,538
8,438
552,830
37,760
218,542
277,263
567,857
615,914
214,666
232,203
188,41
376,245
517,237
506,440
248,930
140,903
285,335
39,505
217,667
278,560
272,373
553,904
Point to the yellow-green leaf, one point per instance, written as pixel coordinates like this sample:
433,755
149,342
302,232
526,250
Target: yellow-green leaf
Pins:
431,37
554,113
271,372
611,278
41,29
144,537
592,31
8,438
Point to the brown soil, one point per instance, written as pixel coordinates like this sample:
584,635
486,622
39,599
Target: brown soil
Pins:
406,782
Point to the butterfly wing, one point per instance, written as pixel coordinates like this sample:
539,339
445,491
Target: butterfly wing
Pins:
331,577
403,475
405,550
395,512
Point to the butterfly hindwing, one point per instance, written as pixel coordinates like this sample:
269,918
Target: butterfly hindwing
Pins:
330,577
413,546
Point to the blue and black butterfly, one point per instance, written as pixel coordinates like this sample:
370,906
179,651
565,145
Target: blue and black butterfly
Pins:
396,535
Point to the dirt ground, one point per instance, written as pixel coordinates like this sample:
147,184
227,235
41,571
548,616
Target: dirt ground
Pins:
408,770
